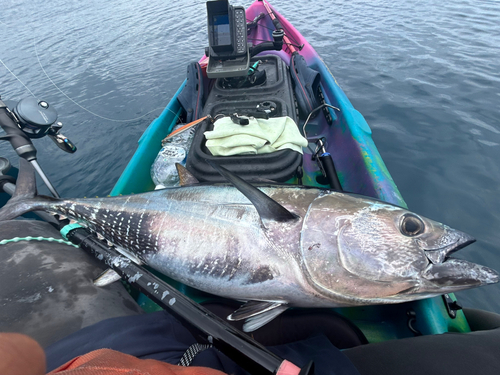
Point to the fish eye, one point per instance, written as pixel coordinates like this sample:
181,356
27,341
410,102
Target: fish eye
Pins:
411,225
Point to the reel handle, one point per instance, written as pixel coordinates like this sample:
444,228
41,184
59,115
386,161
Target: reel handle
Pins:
63,143
60,140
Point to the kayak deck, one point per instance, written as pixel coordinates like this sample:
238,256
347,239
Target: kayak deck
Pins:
360,169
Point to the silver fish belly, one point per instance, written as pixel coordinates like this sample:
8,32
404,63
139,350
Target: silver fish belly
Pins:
208,237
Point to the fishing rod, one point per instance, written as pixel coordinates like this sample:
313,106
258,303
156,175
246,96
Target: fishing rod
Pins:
242,349
278,26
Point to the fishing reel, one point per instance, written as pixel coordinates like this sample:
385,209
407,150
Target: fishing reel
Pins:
38,119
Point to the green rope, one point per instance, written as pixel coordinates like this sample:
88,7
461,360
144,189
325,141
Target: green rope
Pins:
64,231
29,238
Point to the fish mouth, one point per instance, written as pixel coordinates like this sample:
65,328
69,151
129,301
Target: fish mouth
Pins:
457,274
439,255
446,274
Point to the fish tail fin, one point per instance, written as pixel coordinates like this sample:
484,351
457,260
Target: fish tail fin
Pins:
25,198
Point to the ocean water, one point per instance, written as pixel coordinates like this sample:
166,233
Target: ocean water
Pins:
424,74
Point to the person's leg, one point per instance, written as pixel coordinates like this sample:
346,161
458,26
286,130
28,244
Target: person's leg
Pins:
47,290
162,337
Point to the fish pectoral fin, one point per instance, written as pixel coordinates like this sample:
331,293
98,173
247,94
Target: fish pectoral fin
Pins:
257,321
267,207
185,177
252,308
257,314
107,277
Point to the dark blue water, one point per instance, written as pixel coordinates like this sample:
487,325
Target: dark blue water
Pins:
424,74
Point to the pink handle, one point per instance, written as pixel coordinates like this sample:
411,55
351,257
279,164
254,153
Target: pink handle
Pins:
288,368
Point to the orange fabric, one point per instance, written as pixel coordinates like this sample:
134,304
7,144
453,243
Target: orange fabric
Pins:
110,362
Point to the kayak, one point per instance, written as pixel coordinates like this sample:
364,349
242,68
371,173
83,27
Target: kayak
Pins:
298,132
295,74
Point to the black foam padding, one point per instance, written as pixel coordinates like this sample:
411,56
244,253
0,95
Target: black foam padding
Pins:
298,324
449,353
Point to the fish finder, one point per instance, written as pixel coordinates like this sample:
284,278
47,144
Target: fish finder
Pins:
228,51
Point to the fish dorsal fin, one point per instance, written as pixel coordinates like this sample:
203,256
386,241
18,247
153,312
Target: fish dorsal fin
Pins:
185,177
26,182
257,314
267,207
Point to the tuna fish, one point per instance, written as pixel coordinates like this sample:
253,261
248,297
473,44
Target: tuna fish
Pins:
274,246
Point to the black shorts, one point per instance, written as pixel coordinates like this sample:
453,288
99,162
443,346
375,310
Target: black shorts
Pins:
160,336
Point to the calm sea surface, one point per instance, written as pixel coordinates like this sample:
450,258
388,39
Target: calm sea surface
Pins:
425,75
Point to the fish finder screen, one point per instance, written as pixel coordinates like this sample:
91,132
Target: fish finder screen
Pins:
222,32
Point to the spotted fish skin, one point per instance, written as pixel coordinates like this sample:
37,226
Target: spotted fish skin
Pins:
209,237
333,250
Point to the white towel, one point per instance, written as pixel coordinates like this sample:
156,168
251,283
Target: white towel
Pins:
260,136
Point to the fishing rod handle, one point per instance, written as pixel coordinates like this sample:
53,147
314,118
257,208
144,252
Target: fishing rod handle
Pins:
330,171
243,350
18,139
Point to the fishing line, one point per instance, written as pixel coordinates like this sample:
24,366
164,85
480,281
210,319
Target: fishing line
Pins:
261,25
85,109
70,99
16,77
288,33
285,30
273,29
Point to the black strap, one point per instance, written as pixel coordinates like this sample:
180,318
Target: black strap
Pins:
192,95
191,352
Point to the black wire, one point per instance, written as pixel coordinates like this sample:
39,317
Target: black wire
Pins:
264,40
287,32
265,27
